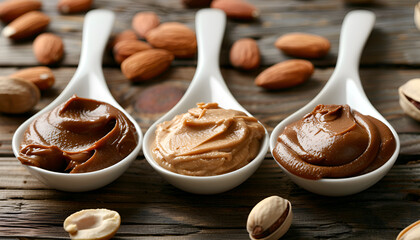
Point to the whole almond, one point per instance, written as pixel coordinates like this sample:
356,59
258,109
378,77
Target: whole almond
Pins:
124,49
27,25
12,9
285,74
174,37
42,77
196,3
245,54
74,6
143,22
236,9
146,64
303,45
123,36
17,95
48,48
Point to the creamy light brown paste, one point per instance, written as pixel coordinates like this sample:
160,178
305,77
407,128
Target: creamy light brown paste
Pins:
207,140
80,135
332,142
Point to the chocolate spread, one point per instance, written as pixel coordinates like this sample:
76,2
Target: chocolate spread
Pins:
333,142
80,135
207,140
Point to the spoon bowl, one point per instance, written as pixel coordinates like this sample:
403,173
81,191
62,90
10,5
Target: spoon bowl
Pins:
87,82
206,86
344,87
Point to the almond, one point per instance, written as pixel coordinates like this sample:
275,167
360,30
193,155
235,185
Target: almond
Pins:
285,74
174,37
146,64
17,95
74,6
143,22
12,9
236,9
48,48
123,36
27,25
42,77
124,49
196,3
303,45
245,54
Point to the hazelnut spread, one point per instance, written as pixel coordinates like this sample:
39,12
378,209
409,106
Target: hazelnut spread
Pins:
332,142
207,140
80,135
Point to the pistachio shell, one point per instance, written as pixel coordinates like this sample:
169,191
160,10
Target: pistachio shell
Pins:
266,213
411,232
410,89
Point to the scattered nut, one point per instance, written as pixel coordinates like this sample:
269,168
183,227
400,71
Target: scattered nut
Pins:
417,15
89,224
410,98
12,9
411,232
143,22
303,45
124,49
270,219
17,95
236,9
27,25
146,64
42,77
174,37
286,74
245,54
196,3
123,36
48,48
74,6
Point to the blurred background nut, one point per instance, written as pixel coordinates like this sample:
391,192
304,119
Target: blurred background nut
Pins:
196,3
410,98
411,232
89,224
124,49
143,22
303,45
42,77
74,6
123,36
28,25
270,219
245,54
48,48
17,95
236,9
12,9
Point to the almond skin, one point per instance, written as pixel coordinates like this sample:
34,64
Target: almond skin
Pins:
303,45
27,25
245,54
12,9
143,22
48,48
174,37
285,74
236,9
146,64
42,77
17,95
125,49
74,6
123,36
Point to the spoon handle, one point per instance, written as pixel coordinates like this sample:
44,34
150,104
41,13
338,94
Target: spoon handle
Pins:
355,31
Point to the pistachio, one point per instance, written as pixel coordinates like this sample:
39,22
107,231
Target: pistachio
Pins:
410,98
411,232
270,218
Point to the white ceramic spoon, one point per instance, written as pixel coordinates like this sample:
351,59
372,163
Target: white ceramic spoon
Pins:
344,87
87,82
206,86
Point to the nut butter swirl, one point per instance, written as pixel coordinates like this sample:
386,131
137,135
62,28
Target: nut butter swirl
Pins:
80,135
207,141
333,142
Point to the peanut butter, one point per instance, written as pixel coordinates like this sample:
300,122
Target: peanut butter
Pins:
333,142
207,140
80,135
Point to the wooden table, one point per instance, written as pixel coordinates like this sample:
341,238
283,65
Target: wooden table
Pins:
151,208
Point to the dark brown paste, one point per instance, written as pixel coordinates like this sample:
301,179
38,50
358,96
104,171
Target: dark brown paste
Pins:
333,142
80,135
